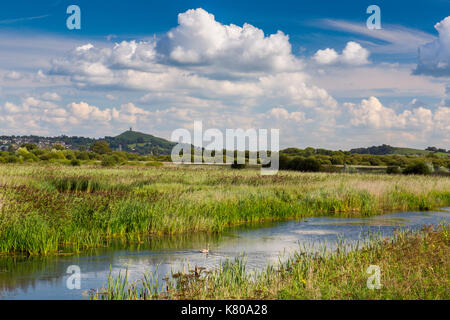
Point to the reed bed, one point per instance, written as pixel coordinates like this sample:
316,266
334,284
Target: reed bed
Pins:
48,209
413,265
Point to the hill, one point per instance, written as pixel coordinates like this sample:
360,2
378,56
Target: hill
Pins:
142,143
389,150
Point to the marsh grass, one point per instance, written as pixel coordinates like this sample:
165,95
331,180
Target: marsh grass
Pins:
414,265
46,209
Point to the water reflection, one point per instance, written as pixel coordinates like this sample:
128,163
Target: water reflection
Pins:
45,278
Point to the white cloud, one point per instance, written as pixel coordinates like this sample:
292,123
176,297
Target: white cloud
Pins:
434,57
397,39
381,80
285,115
419,126
201,64
201,40
326,56
353,54
84,111
53,96
13,75
230,77
371,112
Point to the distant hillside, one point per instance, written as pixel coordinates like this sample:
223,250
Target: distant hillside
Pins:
142,143
389,150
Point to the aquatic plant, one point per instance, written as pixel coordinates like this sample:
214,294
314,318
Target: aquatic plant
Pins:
414,265
46,209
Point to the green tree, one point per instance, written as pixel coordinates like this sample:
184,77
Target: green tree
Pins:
417,168
100,147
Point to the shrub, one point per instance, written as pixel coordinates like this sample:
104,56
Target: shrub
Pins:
83,155
100,147
109,161
236,165
75,162
311,165
417,168
154,164
11,158
330,169
393,170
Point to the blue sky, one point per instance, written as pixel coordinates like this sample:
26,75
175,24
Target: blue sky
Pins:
311,68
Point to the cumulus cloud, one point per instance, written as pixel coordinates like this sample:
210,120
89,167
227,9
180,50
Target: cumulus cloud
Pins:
201,63
285,115
228,76
353,54
393,39
201,40
43,116
198,43
372,113
415,125
434,57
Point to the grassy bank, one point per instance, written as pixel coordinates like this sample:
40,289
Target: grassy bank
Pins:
46,209
413,266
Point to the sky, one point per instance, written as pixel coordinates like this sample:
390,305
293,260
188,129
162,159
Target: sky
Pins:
312,69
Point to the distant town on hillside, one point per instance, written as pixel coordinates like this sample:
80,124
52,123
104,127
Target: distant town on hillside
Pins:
145,144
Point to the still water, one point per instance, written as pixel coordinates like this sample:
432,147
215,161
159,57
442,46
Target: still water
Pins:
262,244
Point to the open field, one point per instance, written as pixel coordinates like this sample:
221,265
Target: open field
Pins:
49,209
412,266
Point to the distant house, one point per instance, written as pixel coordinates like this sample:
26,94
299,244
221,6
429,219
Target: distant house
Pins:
4,148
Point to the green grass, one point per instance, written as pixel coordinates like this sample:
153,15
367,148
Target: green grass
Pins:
46,209
413,265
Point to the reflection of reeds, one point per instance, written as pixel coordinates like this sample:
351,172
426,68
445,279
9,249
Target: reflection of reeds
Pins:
414,265
51,208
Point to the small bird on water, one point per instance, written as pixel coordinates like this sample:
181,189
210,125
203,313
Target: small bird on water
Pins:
205,250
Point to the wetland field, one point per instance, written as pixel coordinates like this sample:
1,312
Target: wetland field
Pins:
157,218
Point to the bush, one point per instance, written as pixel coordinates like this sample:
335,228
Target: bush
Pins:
417,168
109,161
75,162
11,159
393,170
311,165
236,165
154,164
302,164
330,169
83,155
100,147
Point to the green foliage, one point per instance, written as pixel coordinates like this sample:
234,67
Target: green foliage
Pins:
300,164
109,161
393,170
414,267
137,142
84,207
419,167
29,146
75,162
58,147
236,165
100,147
